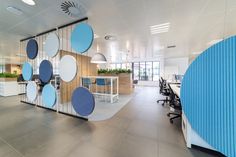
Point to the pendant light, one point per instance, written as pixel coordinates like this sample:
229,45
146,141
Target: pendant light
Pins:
99,58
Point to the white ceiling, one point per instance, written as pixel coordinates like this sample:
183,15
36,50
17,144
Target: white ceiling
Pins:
193,23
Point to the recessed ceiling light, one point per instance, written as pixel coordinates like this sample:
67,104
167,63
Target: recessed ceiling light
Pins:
29,2
14,10
161,28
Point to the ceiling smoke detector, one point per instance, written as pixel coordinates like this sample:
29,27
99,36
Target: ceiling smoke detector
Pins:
71,8
110,37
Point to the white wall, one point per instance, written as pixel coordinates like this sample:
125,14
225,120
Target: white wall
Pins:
175,66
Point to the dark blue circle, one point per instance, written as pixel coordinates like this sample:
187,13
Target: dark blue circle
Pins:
83,101
32,49
45,71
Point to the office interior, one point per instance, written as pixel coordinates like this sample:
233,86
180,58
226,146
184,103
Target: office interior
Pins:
117,78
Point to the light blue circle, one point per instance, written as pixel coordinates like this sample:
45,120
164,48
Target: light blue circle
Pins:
49,96
82,37
27,71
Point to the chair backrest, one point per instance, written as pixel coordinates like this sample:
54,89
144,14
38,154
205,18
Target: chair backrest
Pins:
100,82
86,81
174,99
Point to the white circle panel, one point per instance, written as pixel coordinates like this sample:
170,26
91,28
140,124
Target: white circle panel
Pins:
31,91
67,68
52,45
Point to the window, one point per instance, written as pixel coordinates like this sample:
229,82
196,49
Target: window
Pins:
113,66
142,71
148,71
136,71
145,71
118,66
156,71
123,66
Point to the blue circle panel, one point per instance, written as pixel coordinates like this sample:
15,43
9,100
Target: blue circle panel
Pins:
82,37
49,96
27,71
45,71
83,101
32,49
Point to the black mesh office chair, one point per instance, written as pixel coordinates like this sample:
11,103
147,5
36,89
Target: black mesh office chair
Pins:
174,104
164,90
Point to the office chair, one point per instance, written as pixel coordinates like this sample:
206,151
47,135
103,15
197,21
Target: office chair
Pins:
174,104
86,82
163,91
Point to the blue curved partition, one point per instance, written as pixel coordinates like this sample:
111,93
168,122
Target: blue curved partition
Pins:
208,96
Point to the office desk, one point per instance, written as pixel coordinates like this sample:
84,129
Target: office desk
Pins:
191,137
112,80
176,88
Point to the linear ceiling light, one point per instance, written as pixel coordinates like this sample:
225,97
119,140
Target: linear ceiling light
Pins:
161,28
29,2
14,10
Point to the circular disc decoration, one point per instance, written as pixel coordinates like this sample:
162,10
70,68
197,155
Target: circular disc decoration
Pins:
45,71
83,101
82,37
27,71
49,96
52,45
67,68
32,49
31,91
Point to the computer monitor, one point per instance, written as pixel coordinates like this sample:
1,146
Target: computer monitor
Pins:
179,77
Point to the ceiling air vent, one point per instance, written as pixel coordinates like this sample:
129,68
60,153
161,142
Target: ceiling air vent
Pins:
73,9
171,46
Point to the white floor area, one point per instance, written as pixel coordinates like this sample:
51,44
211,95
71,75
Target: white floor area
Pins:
105,110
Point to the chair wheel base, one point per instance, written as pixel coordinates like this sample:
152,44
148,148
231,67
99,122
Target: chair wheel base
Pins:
171,121
168,114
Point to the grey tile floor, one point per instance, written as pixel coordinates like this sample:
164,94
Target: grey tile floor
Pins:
140,129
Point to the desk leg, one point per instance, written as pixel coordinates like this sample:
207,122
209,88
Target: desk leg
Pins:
111,90
117,88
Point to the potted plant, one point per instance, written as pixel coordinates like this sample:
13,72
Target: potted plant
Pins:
8,77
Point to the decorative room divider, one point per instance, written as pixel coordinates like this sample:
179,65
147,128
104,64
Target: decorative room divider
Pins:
208,96
54,59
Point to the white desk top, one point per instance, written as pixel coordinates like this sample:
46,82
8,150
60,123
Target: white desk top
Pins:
104,77
176,89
